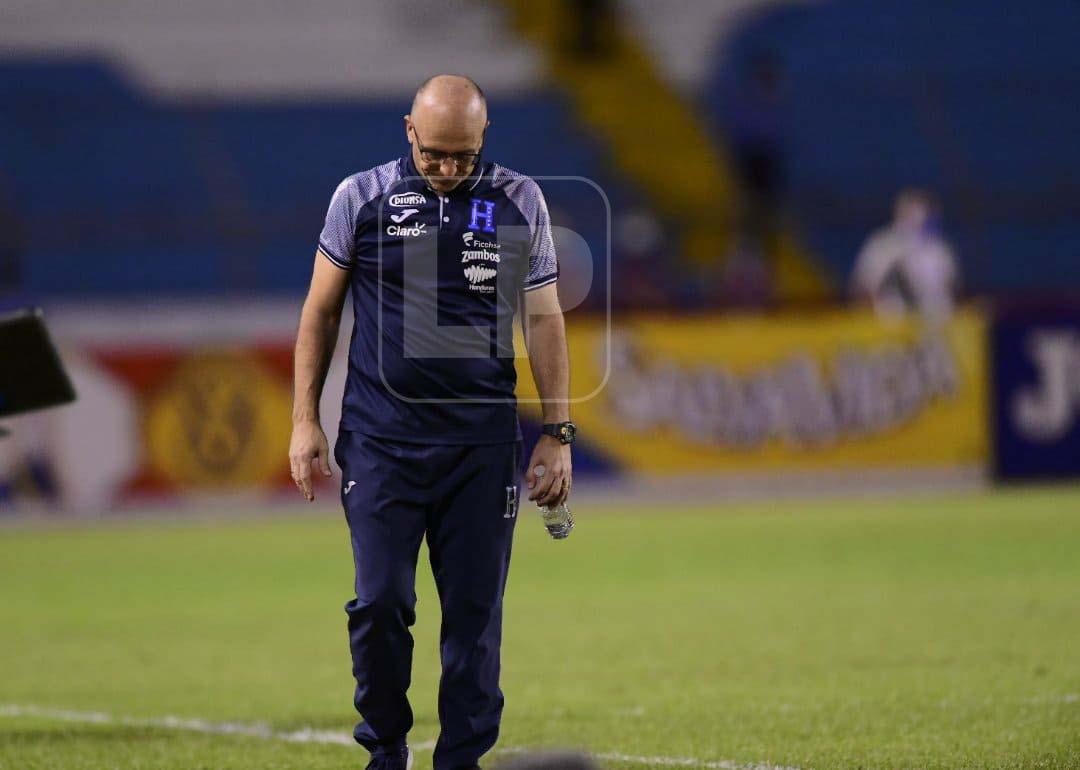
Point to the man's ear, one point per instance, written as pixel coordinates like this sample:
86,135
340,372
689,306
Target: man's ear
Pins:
408,128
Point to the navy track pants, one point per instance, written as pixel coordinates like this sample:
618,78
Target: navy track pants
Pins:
464,499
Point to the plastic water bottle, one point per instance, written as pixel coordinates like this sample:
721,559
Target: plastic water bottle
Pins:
558,519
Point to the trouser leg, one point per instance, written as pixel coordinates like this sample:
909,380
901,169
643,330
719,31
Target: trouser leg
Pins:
386,517
470,532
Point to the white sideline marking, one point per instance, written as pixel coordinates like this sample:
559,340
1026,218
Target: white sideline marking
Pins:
1071,697
304,735
309,735
722,764
715,764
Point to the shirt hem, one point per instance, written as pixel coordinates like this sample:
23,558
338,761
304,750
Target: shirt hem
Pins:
541,282
441,440
332,258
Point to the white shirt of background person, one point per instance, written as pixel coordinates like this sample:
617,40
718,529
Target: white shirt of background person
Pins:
908,266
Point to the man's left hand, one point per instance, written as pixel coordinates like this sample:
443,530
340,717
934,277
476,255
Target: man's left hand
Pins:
553,487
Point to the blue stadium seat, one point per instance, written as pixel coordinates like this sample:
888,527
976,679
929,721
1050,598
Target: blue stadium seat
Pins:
976,101
122,194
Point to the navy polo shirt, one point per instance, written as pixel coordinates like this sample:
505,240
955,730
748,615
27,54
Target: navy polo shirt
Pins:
436,281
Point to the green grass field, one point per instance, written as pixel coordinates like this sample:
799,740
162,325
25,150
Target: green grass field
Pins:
914,633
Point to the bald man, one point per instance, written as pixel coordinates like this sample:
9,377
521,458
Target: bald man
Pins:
440,250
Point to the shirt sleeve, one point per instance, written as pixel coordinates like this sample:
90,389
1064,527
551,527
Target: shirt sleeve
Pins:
338,236
543,265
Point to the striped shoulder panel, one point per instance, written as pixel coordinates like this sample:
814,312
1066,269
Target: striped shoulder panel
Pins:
525,194
337,239
367,186
519,188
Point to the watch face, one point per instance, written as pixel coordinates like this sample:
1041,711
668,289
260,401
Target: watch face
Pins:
568,433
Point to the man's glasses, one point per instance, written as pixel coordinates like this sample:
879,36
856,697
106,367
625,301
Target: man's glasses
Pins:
462,160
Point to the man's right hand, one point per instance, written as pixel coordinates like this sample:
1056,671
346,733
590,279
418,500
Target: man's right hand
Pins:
308,444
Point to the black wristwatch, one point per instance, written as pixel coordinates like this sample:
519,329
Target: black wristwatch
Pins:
564,431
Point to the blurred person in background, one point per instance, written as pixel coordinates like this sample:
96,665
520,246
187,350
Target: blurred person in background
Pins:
745,279
430,444
646,278
592,23
27,472
756,135
756,139
12,243
908,267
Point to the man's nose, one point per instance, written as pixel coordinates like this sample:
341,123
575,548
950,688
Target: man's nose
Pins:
448,167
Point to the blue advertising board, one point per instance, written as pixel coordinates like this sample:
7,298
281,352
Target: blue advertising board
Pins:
1036,403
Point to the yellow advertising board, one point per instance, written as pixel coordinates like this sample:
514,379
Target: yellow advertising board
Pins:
841,389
